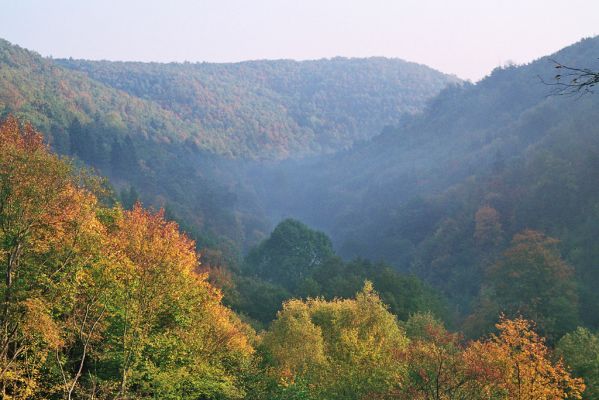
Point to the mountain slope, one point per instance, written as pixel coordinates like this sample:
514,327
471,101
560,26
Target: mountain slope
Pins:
51,97
411,195
179,134
134,142
277,109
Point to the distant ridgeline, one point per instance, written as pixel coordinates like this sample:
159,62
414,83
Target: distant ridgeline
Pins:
277,109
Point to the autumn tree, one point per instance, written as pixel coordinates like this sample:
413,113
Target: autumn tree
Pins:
517,364
434,365
514,364
170,334
439,365
341,349
46,221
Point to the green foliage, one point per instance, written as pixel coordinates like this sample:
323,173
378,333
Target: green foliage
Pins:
292,252
257,299
296,261
531,280
580,350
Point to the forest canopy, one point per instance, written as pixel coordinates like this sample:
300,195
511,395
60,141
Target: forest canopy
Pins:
102,302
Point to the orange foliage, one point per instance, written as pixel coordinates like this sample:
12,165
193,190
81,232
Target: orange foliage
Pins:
518,364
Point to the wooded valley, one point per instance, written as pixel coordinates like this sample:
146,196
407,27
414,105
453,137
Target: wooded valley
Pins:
334,229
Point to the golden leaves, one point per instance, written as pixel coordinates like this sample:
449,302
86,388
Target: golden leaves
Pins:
528,371
515,364
340,349
38,324
84,281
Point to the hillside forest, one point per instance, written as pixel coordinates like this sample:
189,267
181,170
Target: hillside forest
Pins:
331,229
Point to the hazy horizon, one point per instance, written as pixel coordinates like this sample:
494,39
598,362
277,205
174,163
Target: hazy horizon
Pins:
465,37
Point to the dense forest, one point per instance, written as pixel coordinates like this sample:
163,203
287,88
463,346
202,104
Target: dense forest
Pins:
101,302
279,109
180,135
451,192
331,229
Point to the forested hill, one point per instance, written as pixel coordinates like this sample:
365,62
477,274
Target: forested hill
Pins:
174,132
277,109
52,97
503,154
261,109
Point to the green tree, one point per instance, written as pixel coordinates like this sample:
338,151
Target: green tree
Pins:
290,254
533,281
580,350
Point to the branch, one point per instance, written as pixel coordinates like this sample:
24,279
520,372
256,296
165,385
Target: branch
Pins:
572,81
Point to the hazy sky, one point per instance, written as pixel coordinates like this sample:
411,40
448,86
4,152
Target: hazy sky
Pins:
464,37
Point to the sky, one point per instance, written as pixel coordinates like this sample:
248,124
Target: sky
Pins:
467,38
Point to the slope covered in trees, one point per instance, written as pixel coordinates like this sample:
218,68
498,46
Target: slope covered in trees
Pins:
262,109
145,150
279,109
166,133
444,194
51,98
100,302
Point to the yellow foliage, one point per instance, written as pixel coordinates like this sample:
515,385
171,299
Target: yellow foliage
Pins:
342,349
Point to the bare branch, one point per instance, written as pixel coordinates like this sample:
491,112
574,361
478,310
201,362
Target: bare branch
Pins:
572,81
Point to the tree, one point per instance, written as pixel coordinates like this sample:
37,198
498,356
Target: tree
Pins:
290,253
437,368
341,349
580,350
171,336
530,280
516,364
574,81
40,212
